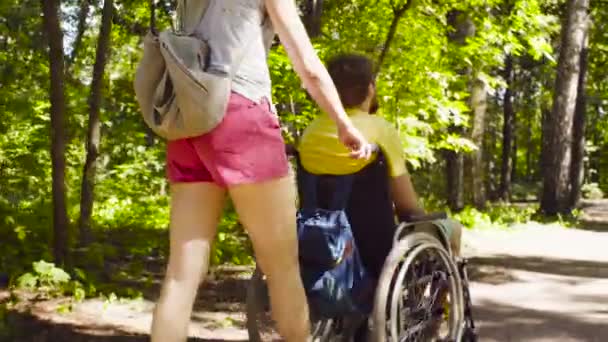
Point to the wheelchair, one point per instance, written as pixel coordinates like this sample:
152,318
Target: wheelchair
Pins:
421,290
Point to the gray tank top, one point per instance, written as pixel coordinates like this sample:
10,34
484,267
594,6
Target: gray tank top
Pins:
230,26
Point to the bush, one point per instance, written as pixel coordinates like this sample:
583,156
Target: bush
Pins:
496,215
592,191
49,280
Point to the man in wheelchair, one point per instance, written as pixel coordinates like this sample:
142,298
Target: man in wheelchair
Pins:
373,204
383,189
320,150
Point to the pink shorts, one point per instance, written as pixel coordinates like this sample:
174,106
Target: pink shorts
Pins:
246,147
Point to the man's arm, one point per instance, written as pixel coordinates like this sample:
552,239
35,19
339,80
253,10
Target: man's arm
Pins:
404,196
401,187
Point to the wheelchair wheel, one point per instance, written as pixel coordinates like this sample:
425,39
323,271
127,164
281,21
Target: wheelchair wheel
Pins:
260,326
469,334
419,295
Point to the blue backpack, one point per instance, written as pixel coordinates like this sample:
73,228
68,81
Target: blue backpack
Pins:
334,278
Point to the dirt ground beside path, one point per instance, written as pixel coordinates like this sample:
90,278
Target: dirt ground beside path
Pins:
530,283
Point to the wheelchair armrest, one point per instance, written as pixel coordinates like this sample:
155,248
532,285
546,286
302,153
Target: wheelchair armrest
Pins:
424,217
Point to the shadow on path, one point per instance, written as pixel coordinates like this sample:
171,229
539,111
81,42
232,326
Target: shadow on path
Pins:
28,328
594,215
564,267
500,322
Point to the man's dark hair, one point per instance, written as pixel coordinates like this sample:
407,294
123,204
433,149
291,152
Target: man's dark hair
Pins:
352,74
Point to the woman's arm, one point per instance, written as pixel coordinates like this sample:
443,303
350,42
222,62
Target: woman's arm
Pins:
316,79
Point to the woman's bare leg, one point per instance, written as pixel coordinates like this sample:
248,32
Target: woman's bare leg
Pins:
195,212
268,212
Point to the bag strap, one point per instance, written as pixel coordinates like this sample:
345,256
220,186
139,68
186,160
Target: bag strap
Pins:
153,17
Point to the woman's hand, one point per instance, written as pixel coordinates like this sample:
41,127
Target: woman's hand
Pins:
352,138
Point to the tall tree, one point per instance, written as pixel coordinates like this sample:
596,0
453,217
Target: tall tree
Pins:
557,149
455,179
50,10
478,104
507,132
514,151
578,130
462,27
94,130
313,11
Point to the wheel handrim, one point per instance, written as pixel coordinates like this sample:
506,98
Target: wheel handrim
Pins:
398,315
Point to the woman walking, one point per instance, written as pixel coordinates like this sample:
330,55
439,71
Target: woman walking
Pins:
244,158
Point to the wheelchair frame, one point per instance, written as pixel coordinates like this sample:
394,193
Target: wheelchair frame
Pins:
406,240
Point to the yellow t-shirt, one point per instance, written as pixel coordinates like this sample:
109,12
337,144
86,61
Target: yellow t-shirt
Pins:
322,153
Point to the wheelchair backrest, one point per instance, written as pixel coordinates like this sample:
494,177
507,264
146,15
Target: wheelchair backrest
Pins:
369,209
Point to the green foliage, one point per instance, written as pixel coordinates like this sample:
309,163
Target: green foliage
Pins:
496,216
232,244
473,218
49,280
592,191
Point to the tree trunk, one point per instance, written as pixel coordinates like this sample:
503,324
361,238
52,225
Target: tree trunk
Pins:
455,180
490,156
545,114
595,160
507,133
556,178
463,27
578,131
529,147
514,151
313,12
50,9
478,103
93,136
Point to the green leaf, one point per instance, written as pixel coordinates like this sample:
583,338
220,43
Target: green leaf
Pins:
79,294
59,276
43,268
27,281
